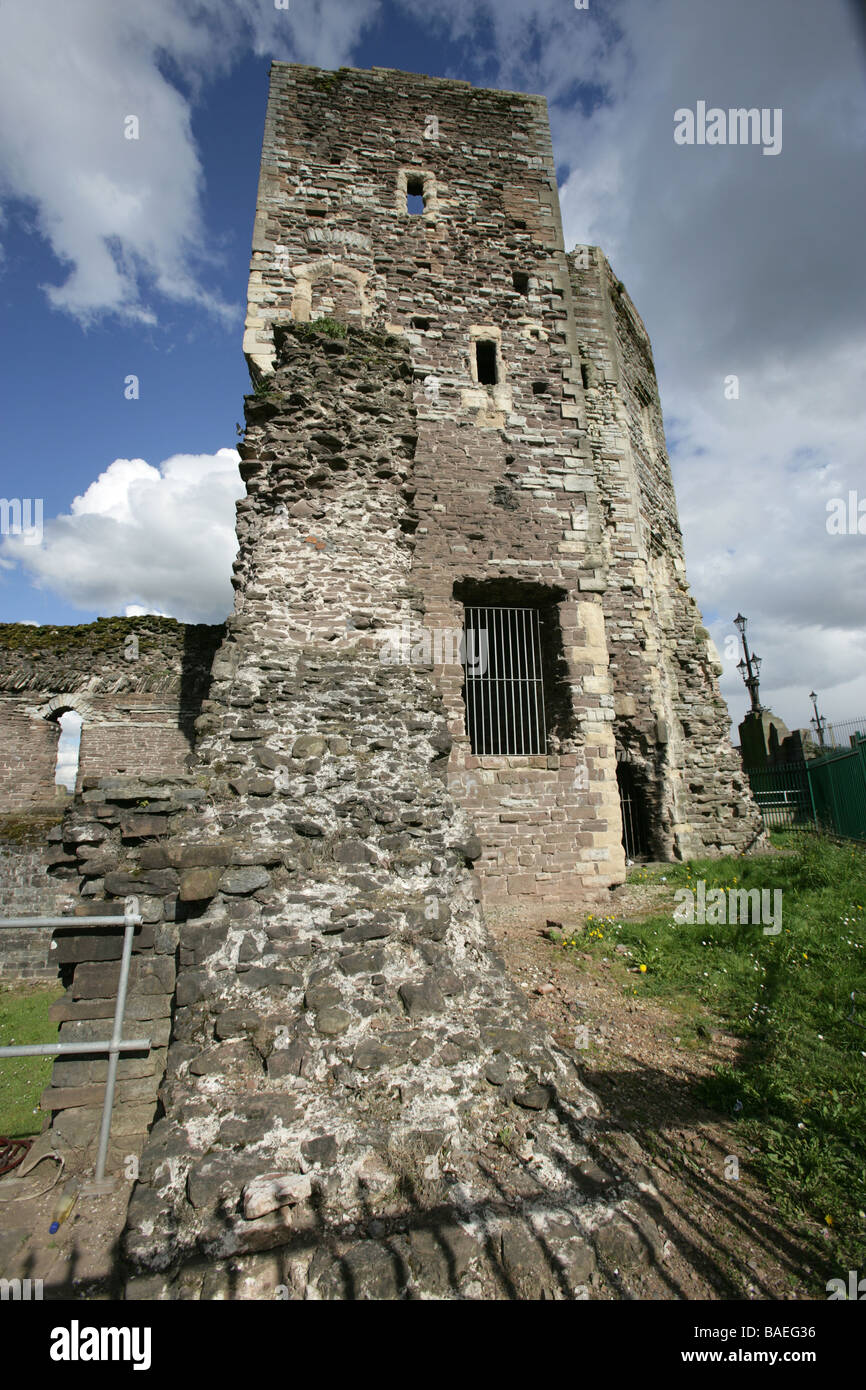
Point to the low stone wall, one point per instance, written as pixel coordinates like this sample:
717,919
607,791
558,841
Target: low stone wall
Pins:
27,889
110,841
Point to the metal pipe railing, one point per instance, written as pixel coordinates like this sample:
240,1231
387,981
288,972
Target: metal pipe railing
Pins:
73,922
52,1049
115,1045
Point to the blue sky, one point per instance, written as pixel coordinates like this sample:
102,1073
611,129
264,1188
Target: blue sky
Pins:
131,257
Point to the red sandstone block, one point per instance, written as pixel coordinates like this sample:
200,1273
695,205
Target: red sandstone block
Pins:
521,883
70,1097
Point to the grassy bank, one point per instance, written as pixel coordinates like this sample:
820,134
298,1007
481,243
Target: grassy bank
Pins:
24,1019
796,1000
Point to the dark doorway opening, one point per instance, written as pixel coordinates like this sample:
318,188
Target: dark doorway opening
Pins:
632,804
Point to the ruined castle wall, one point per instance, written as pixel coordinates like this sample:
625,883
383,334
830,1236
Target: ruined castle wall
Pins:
345,1044
29,889
28,755
138,732
671,722
138,684
505,493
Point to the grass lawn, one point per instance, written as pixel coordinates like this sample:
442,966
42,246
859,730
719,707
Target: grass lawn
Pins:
797,1002
24,1019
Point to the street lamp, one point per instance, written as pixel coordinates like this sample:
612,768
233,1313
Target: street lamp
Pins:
750,667
819,721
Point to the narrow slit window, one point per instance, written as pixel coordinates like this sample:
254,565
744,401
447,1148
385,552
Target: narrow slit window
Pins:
485,362
415,196
521,281
504,687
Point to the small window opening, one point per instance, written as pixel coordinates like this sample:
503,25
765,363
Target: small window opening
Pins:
415,196
521,281
423,324
539,388
485,362
68,747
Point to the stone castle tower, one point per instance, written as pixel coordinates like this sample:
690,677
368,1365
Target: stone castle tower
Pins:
541,516
455,427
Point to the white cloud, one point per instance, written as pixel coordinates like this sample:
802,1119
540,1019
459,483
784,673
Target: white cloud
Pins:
135,610
144,540
123,216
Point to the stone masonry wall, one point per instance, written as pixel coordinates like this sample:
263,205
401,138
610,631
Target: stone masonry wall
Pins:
27,889
672,725
505,503
121,838
345,1044
137,683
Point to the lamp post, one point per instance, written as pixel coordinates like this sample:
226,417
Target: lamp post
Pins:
819,721
749,668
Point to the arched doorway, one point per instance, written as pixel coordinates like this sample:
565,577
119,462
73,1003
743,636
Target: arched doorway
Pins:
65,717
68,749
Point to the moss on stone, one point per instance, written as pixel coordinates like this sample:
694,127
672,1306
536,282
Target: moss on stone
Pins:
103,635
28,829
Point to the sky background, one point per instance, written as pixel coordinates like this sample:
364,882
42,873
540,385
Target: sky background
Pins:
130,258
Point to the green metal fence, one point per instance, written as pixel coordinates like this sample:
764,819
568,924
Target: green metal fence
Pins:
828,792
838,783
783,795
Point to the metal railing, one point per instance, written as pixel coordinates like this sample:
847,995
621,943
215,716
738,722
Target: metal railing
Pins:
504,687
115,1044
838,782
827,792
783,795
842,733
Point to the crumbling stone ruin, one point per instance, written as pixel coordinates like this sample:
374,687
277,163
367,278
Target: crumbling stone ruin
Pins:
455,427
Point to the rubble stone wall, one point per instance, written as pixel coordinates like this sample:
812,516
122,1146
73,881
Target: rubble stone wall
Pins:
346,1047
120,839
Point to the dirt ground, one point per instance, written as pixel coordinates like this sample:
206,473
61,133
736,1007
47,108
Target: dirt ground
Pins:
722,1239
78,1261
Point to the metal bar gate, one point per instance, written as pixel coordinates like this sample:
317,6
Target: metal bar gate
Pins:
504,684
